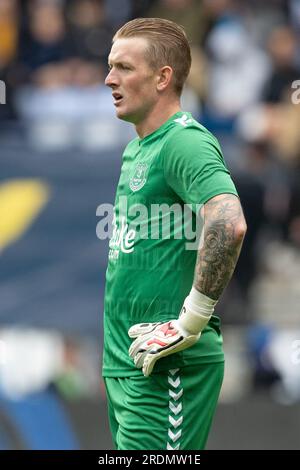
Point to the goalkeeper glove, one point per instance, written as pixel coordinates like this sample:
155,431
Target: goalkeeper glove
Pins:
156,340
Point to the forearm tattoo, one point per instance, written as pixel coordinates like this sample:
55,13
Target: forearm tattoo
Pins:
221,244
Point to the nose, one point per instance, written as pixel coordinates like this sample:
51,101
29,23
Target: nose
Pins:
111,79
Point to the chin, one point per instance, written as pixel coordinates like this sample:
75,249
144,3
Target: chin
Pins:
124,116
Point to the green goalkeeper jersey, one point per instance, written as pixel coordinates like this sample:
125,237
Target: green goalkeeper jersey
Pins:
165,177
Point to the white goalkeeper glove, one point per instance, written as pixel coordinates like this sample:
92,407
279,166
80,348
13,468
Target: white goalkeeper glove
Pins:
156,340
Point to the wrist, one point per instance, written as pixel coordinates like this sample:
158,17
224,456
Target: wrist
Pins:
196,312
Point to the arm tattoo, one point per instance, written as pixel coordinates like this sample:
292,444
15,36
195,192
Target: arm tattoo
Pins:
221,244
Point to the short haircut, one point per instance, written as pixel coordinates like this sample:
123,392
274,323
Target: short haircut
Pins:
168,45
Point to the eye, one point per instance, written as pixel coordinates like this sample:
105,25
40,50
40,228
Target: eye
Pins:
124,67
119,66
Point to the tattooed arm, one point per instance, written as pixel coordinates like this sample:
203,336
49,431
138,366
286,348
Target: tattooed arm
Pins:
223,233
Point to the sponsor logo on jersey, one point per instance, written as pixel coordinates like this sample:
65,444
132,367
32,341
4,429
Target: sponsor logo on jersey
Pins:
122,239
138,179
184,120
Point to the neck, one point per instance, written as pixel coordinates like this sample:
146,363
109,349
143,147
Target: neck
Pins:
156,118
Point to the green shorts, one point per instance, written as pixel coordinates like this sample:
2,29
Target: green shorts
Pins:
169,410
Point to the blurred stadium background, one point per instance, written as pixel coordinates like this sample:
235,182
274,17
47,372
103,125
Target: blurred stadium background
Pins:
60,148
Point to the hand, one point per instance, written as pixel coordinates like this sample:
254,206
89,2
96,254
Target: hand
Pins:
156,340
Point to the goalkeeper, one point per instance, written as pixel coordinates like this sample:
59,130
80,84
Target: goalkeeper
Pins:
163,359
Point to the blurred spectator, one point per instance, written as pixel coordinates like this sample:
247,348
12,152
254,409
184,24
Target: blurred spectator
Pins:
294,13
64,65
9,41
41,370
263,17
140,8
219,10
89,31
8,32
284,352
119,11
238,69
275,124
282,46
44,41
275,297
30,361
69,105
188,13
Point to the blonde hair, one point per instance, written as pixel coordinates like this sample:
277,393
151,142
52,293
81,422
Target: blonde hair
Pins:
168,45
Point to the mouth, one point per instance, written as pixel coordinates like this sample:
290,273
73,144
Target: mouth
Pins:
117,98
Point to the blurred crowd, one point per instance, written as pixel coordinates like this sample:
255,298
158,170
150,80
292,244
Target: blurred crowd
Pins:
244,86
244,83
53,59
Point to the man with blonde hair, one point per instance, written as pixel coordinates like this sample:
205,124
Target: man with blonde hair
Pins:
163,358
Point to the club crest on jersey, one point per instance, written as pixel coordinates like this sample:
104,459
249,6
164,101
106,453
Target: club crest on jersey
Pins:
184,120
138,179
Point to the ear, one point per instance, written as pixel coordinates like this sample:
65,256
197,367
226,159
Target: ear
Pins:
164,77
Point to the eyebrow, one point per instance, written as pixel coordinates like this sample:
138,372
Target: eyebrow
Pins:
118,62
